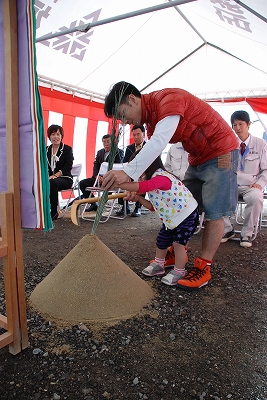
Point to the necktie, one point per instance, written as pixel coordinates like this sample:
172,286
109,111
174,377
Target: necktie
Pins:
242,148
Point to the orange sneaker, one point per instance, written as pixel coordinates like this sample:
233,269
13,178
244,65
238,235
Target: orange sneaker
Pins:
170,258
198,276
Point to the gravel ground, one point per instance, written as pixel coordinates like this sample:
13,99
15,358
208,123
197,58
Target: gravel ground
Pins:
209,344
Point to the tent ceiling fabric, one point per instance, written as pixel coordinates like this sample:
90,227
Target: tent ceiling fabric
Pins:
232,42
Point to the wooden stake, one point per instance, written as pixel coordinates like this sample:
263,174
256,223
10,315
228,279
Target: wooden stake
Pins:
12,143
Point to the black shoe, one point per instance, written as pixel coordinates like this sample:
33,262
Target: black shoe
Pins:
93,207
245,241
55,217
228,235
120,213
136,212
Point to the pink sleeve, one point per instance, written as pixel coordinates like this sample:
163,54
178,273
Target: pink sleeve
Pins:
158,182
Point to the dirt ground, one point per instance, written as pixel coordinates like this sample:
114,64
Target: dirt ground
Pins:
209,344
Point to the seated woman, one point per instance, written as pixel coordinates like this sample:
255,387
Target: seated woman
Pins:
60,160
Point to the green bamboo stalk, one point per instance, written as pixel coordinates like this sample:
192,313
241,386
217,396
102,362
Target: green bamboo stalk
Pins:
115,137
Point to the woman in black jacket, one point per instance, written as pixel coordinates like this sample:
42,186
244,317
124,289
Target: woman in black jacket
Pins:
60,160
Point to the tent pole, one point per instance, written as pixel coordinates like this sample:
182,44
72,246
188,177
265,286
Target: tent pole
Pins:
237,58
86,27
251,10
189,23
175,65
192,52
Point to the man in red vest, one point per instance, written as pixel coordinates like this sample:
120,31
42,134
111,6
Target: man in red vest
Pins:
171,116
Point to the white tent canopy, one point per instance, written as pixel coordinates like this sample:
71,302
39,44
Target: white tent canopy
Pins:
212,48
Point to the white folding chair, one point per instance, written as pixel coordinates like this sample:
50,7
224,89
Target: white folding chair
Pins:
111,205
263,220
239,219
75,172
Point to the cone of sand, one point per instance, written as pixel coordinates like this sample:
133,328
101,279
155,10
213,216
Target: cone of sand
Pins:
91,284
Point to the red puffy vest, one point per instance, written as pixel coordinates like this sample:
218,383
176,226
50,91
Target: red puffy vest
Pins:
203,132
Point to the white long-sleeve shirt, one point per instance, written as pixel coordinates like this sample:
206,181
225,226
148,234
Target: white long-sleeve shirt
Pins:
154,147
177,160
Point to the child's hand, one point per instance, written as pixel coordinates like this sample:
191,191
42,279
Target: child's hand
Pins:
132,196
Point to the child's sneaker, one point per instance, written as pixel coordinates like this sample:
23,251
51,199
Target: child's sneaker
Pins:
153,269
170,258
198,276
172,277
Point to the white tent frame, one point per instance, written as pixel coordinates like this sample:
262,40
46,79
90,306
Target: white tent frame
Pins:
76,90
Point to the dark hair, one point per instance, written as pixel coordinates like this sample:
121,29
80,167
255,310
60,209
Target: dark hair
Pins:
120,90
156,164
106,137
139,127
55,128
241,116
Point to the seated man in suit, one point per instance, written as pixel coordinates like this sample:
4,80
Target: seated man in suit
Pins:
138,132
101,156
251,178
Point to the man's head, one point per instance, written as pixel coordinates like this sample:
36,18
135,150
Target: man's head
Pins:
138,134
130,111
240,121
106,142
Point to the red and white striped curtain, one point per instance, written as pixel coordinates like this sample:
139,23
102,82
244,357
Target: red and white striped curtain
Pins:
84,124
258,104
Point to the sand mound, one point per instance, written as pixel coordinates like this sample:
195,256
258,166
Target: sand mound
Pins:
91,284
